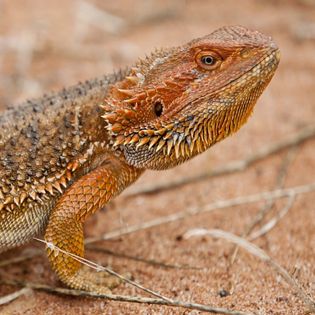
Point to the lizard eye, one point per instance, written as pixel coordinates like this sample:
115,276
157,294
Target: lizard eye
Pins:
158,108
208,60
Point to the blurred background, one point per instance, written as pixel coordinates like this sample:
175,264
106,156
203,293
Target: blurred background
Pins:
48,45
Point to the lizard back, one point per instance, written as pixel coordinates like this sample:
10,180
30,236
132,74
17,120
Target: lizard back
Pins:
39,139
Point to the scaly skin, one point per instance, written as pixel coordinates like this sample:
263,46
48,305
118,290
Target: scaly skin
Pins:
66,155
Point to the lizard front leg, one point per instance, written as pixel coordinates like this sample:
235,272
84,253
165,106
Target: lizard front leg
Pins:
65,227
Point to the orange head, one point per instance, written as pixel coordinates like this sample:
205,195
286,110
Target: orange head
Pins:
178,102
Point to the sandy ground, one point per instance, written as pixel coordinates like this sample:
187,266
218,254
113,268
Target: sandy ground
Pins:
48,45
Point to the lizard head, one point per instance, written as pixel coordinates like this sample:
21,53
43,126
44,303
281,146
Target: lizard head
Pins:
177,103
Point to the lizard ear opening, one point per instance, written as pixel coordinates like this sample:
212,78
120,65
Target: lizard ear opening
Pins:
158,108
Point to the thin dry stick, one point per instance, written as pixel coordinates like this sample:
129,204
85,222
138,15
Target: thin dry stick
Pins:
270,203
132,299
279,184
236,166
266,227
13,296
98,268
222,204
272,223
258,252
146,261
19,259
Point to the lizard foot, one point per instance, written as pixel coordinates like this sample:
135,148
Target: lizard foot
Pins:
94,281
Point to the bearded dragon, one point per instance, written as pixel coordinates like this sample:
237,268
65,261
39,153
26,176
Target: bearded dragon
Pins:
66,155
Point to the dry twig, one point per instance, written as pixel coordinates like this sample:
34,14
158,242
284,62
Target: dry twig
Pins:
272,223
13,296
23,257
146,261
269,205
99,268
131,299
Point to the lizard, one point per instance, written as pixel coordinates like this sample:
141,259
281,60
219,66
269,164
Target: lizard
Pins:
67,154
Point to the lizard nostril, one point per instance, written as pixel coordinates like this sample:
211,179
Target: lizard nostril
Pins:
158,109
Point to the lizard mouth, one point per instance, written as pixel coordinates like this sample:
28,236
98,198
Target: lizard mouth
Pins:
265,68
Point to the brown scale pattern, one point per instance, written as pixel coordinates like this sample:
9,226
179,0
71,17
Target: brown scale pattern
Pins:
66,155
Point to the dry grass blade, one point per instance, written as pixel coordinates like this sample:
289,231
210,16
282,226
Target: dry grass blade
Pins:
236,166
143,260
19,259
99,268
266,227
258,252
272,223
131,299
13,296
269,205
268,195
